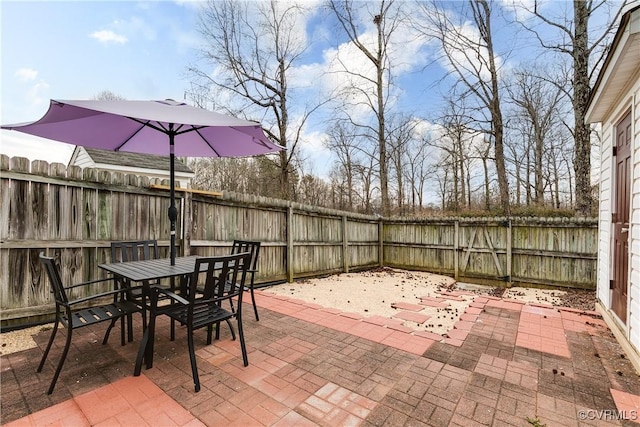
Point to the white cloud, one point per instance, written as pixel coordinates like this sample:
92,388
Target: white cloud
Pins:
18,144
37,94
107,36
342,68
192,4
26,74
134,26
319,157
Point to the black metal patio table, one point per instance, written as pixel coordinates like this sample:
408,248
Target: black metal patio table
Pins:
145,271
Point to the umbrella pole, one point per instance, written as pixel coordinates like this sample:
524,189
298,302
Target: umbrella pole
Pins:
173,212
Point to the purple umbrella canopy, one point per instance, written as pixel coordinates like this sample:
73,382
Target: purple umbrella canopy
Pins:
153,127
143,126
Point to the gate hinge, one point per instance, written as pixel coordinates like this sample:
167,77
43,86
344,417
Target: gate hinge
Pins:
611,282
615,151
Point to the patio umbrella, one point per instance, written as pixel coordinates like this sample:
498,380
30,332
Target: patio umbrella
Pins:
153,127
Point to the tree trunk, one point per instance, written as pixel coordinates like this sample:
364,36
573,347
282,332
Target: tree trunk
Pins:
582,161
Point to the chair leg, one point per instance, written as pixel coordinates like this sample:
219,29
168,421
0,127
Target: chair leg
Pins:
209,334
46,351
108,332
130,327
243,347
192,356
233,332
122,336
217,331
253,300
62,359
141,352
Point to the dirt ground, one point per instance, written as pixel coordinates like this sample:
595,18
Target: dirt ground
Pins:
376,292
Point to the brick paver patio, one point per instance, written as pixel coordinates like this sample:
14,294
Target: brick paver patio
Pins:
505,364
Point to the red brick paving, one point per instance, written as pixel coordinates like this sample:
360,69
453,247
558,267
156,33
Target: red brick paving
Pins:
412,316
505,364
407,306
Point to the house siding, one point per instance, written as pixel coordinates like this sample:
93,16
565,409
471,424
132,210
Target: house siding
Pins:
634,265
83,160
615,93
606,203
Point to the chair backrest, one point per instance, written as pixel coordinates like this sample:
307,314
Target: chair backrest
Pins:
250,246
134,250
54,279
220,277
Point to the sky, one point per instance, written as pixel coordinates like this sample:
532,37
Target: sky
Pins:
141,50
75,50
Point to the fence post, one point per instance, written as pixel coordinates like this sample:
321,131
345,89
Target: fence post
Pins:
509,250
290,244
456,256
380,242
345,245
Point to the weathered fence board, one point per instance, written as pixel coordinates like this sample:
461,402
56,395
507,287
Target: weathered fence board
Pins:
74,214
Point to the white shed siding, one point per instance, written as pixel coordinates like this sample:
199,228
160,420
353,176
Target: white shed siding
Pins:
83,160
634,246
634,296
606,204
617,91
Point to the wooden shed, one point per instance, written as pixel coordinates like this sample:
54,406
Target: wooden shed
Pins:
615,104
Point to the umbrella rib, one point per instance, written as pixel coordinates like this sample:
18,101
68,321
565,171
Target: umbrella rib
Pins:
159,128
131,136
207,142
190,129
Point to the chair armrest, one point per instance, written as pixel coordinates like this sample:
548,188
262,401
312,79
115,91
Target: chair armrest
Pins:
90,282
171,295
96,296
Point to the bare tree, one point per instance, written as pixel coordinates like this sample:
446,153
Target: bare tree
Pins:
537,102
472,57
457,140
371,91
569,36
343,142
442,175
483,154
314,191
107,95
252,48
401,133
418,169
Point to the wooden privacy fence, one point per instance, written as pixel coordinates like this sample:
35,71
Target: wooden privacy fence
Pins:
557,252
74,214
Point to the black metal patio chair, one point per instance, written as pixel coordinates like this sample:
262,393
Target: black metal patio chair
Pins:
133,250
201,304
80,312
253,248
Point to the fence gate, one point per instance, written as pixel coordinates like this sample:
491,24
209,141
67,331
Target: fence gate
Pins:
484,251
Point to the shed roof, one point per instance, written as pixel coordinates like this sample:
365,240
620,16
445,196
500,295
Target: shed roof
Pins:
620,66
137,160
